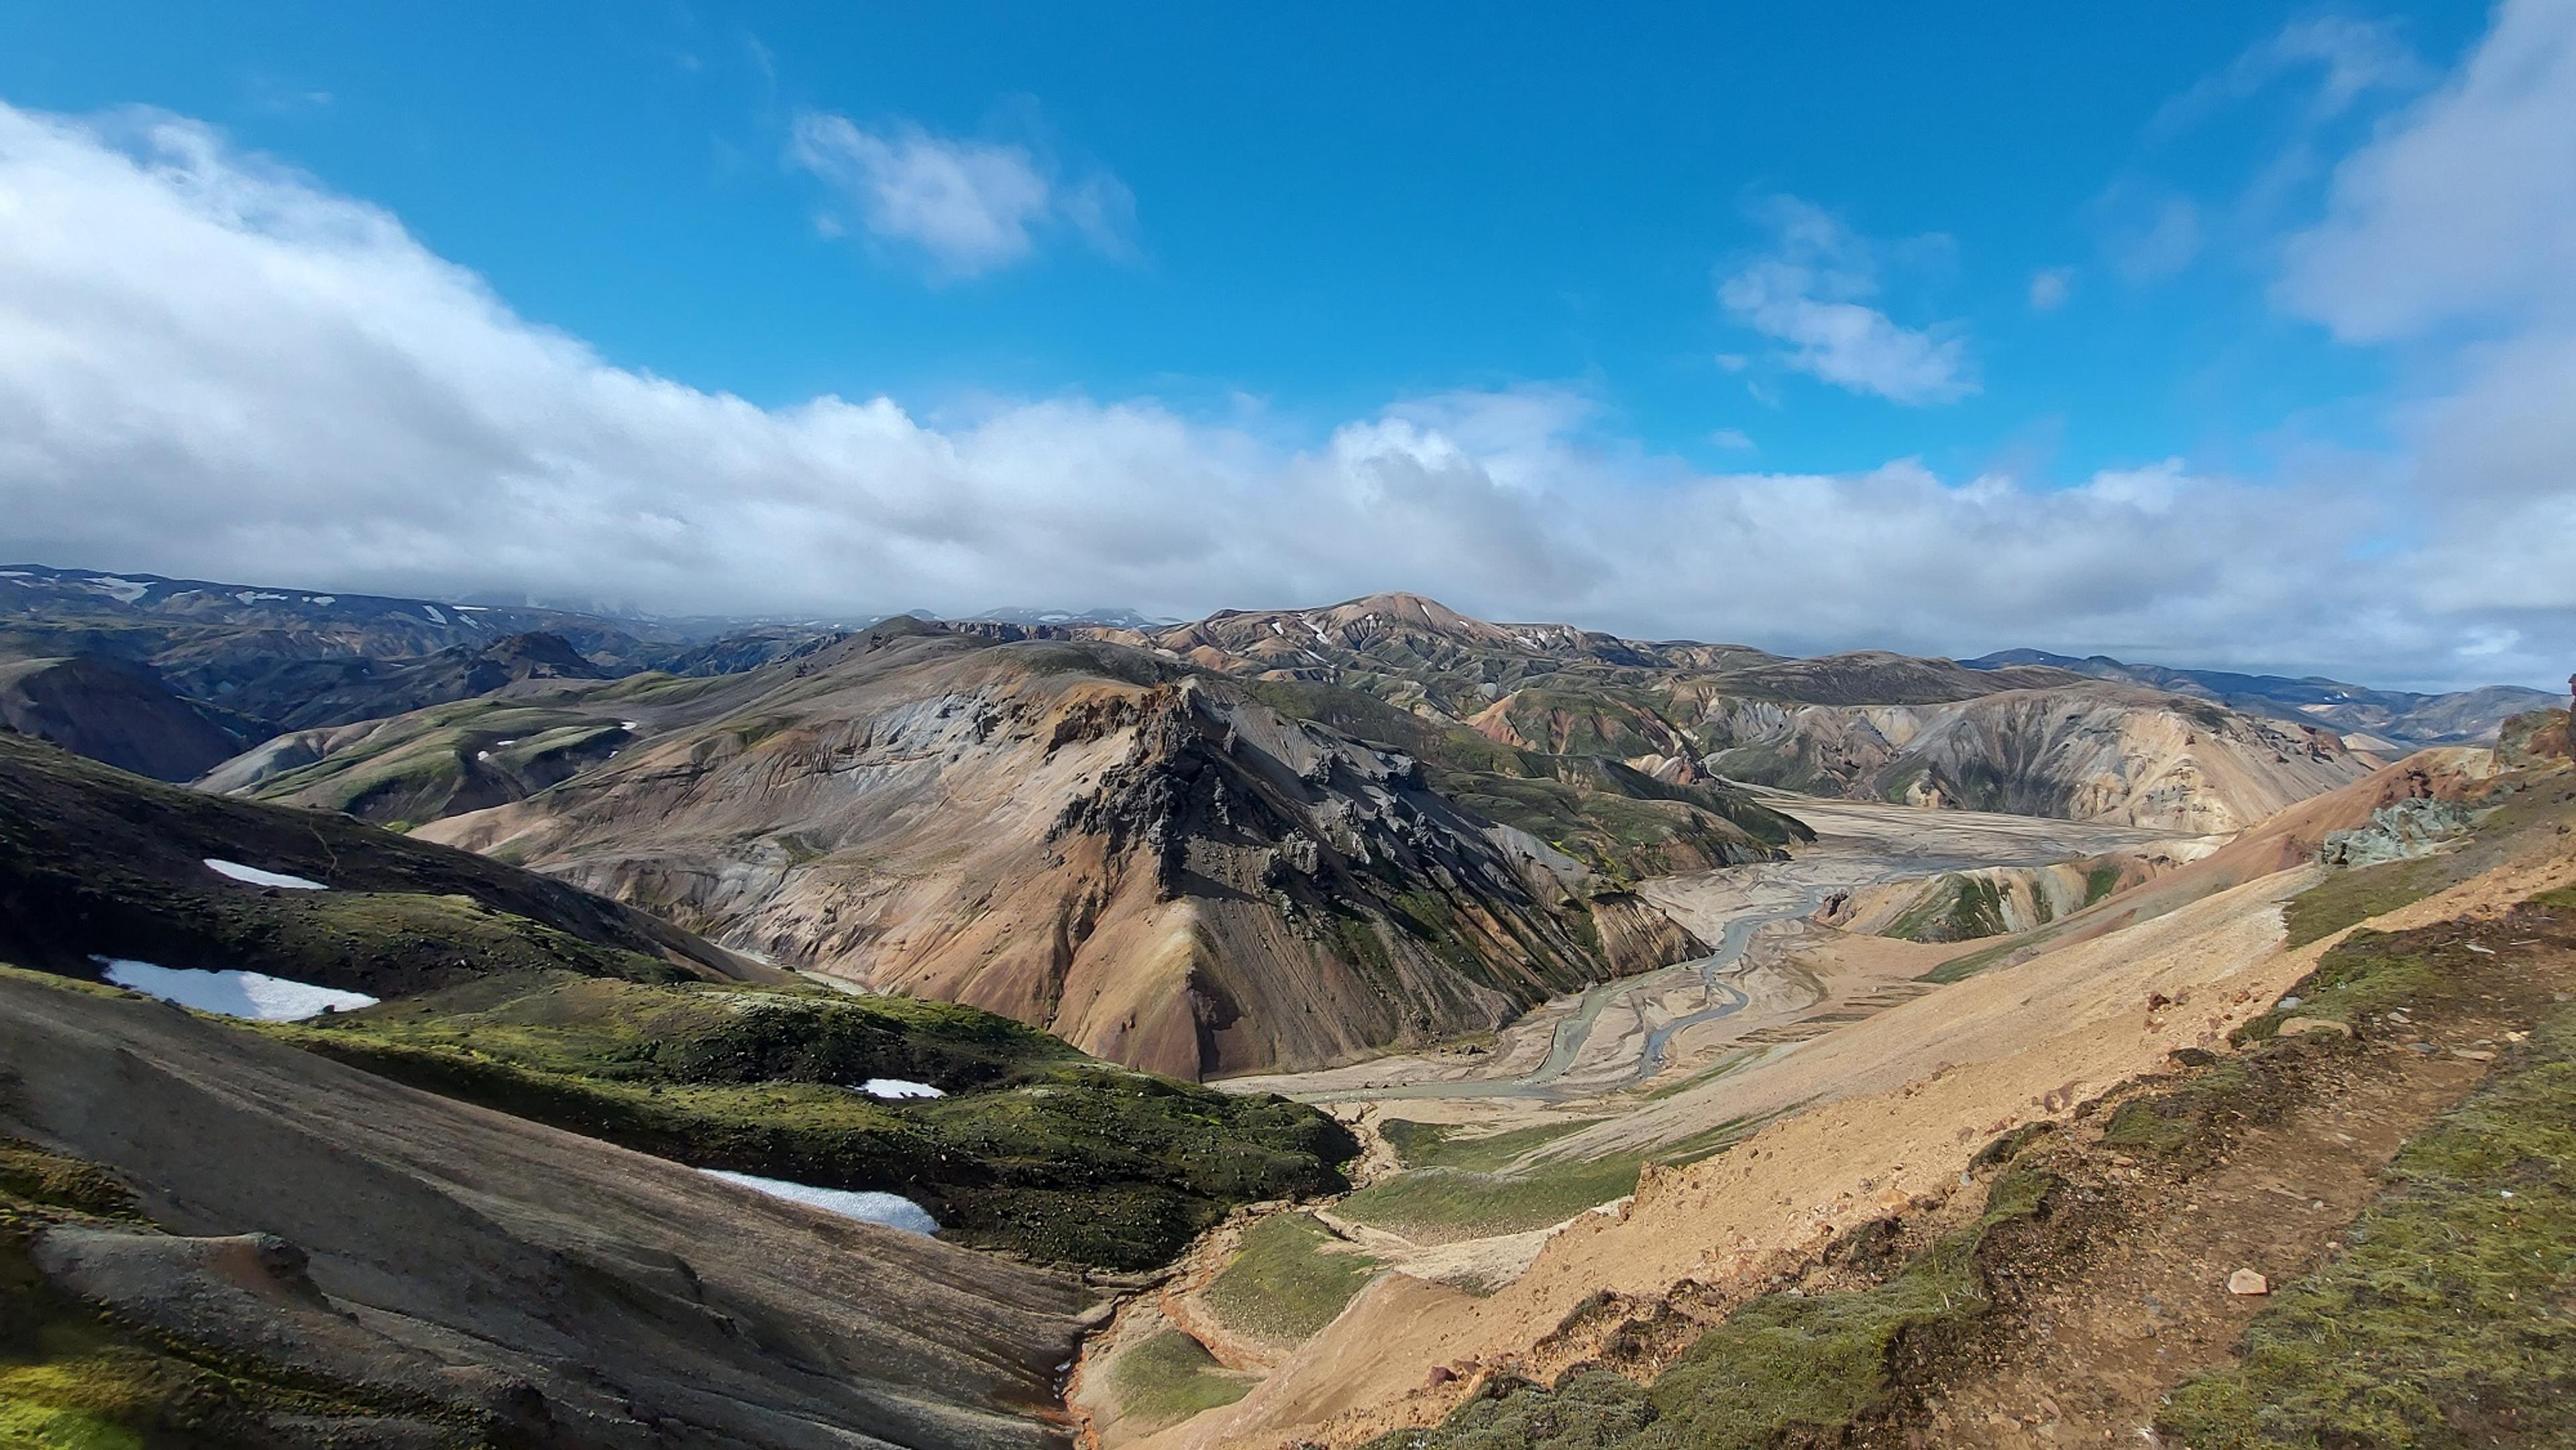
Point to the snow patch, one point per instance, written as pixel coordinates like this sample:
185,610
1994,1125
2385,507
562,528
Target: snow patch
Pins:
894,1088
125,591
630,726
890,1209
252,596
482,755
434,616
323,599
257,877
234,994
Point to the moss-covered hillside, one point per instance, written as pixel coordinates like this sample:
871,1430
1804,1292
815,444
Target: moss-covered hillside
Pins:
523,994
1035,1148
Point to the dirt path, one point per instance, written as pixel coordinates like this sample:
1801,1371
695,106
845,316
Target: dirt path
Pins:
2094,1348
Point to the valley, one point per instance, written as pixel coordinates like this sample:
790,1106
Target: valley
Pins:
1359,1026
1624,1033
857,727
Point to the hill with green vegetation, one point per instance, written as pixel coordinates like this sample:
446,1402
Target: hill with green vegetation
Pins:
524,994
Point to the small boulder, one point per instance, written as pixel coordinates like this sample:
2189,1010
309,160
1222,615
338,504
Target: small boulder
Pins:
2246,1281
2294,1026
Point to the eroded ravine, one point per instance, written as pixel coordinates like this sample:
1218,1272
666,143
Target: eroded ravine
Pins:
1859,844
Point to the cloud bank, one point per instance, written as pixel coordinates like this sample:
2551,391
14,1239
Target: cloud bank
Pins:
212,366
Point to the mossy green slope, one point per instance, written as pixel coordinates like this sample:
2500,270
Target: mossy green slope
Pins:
2450,1320
102,863
1036,1148
1285,1282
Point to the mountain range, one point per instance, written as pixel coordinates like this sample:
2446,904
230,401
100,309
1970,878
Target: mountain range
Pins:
1364,1025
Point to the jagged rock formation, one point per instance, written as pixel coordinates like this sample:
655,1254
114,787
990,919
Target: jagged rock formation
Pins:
2534,738
2416,826
1143,860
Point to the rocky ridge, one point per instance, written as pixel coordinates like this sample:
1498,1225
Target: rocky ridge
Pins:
1141,859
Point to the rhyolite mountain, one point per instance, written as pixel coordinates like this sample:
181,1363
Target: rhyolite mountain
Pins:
2031,738
1145,859
2406,719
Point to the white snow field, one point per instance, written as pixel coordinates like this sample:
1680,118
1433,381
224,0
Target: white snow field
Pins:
234,994
891,1209
892,1088
257,877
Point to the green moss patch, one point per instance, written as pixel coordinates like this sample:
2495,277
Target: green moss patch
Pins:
2451,1317
2362,977
1441,1145
1784,1369
1284,1283
1447,1205
1171,1377
2357,893
1961,908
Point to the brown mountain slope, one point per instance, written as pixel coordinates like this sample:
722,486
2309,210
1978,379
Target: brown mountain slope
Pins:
111,711
1140,859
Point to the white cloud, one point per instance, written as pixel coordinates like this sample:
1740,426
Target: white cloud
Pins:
2050,287
1811,292
211,366
2464,209
968,206
2350,57
2451,239
1731,438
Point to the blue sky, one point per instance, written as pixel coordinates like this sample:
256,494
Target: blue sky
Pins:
1608,252
1333,207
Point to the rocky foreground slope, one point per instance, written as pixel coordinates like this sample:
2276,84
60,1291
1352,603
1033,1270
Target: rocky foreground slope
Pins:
1147,861
290,1252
